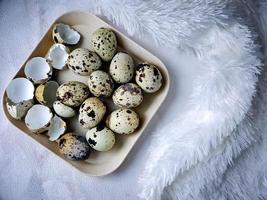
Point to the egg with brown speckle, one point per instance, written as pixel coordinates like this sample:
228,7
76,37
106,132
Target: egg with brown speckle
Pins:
128,95
72,93
100,84
104,43
74,147
91,112
148,77
100,138
122,68
83,62
123,121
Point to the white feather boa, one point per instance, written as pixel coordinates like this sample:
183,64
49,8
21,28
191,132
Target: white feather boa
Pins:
219,126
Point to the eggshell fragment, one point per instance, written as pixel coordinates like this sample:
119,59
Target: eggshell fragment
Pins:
57,128
38,70
57,56
46,93
62,110
38,118
65,34
20,93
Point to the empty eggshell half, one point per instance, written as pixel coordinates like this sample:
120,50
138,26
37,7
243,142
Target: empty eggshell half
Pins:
20,93
65,34
57,56
38,118
57,128
46,93
38,70
62,110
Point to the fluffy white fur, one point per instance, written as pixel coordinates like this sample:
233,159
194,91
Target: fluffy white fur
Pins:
211,134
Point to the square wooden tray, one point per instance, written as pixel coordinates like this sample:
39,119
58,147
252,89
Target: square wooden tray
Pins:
99,163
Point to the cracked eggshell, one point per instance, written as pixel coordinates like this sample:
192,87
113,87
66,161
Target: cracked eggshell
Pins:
57,128
123,121
63,110
72,93
83,62
91,112
104,43
65,34
38,118
100,138
122,68
74,147
20,93
38,70
100,84
148,77
57,56
46,93
128,95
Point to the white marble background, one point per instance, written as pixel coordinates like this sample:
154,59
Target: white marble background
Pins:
28,170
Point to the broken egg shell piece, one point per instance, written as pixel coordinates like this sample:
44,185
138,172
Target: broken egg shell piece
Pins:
46,93
38,118
38,70
65,34
57,128
57,56
62,110
18,110
20,93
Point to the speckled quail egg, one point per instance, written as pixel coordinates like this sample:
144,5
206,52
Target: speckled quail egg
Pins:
91,112
72,93
100,138
62,110
65,34
74,147
122,68
83,62
128,95
100,84
123,121
104,43
148,77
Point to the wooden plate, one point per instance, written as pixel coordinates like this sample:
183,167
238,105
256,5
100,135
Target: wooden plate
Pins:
100,163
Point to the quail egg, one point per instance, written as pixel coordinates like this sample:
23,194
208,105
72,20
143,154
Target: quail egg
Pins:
100,138
72,93
100,84
91,112
104,43
123,121
62,110
83,62
74,147
148,77
122,68
128,95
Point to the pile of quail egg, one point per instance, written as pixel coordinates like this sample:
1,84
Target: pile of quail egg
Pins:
123,82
